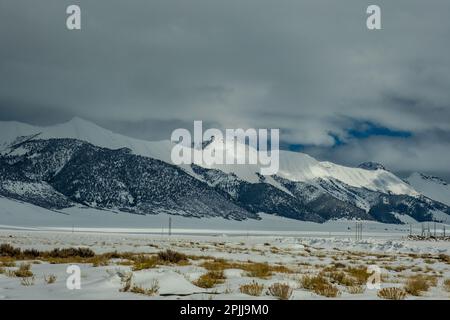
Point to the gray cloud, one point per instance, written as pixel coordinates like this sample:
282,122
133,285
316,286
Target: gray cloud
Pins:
310,68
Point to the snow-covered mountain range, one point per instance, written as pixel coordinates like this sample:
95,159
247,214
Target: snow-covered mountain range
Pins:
81,164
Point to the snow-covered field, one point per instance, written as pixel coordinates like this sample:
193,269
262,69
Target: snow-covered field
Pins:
302,248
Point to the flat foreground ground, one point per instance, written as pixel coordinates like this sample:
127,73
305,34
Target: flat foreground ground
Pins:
220,266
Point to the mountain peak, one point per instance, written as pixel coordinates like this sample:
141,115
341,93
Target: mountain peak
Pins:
371,166
80,122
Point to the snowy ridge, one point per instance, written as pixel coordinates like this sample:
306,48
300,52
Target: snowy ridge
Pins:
432,187
80,163
294,166
80,129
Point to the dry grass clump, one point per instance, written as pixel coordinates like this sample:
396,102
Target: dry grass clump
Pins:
210,279
348,277
360,274
252,289
392,293
27,281
7,262
356,289
126,279
444,258
418,284
280,290
252,269
7,250
24,271
258,270
217,265
142,262
319,285
447,285
341,278
57,255
51,278
152,291
86,255
61,253
170,256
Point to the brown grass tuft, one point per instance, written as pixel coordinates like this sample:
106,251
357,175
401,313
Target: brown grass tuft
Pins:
319,285
253,289
447,285
152,291
24,271
210,279
418,284
51,278
142,262
280,290
392,293
170,256
356,289
27,281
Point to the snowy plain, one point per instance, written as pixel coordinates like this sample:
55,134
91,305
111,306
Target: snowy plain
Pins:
304,248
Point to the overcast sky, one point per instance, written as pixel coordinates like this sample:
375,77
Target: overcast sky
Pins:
311,68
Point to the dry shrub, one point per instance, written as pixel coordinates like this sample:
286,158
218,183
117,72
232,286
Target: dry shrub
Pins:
258,270
7,262
50,279
7,250
27,281
126,279
69,253
392,293
253,289
417,285
253,269
170,256
444,258
341,278
142,262
280,290
152,291
210,279
339,265
31,253
360,274
217,265
280,269
447,285
356,289
24,271
319,285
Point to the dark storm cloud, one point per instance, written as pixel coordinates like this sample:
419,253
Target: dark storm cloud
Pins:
310,67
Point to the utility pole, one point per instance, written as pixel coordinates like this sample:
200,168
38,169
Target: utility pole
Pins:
358,231
410,229
435,229
170,226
